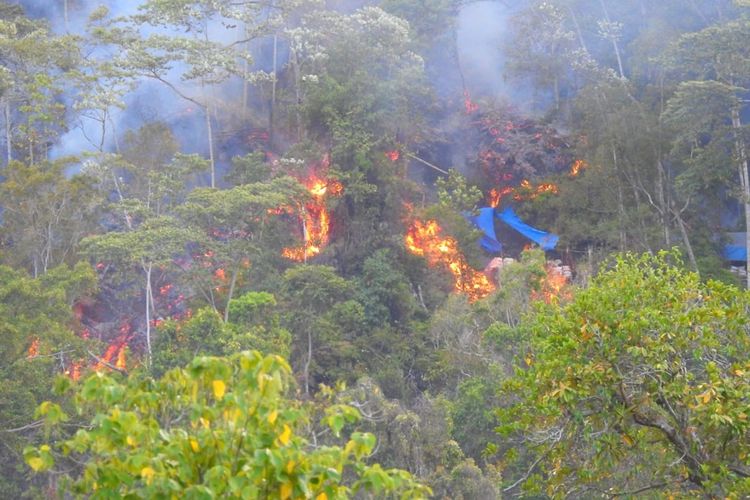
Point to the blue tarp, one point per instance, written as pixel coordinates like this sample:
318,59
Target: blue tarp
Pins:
486,222
489,241
545,240
735,253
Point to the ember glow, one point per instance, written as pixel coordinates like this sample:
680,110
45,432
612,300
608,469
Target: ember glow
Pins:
469,106
33,351
554,286
495,195
315,219
424,239
524,192
115,353
393,155
576,168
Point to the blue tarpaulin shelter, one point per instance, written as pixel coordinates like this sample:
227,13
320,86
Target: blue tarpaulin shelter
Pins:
735,250
485,222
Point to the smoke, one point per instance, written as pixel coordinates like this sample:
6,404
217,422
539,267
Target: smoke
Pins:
482,33
73,18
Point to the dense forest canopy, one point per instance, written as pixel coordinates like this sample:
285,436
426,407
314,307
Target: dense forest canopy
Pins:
388,248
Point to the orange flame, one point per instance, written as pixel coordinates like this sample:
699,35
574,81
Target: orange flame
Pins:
496,195
393,155
554,287
424,239
469,105
33,349
315,219
577,166
74,370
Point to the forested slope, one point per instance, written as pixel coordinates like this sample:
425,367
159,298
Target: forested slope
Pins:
394,248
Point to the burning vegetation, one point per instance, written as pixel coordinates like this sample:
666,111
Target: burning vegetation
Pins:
425,239
314,216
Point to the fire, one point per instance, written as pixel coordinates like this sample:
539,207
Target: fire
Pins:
424,239
315,219
525,191
528,192
577,166
496,195
554,286
33,351
115,353
469,105
74,370
393,155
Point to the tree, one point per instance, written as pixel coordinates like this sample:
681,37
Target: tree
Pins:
153,244
46,213
34,64
716,61
37,342
318,303
239,226
217,428
639,384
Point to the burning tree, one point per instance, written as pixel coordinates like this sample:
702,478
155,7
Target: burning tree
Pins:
149,247
313,213
425,239
236,226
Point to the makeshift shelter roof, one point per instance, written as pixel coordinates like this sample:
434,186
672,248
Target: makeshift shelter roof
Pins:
735,250
485,222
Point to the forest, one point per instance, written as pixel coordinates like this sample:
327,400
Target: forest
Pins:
453,249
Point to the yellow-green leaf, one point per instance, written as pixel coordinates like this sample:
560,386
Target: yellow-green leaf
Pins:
219,388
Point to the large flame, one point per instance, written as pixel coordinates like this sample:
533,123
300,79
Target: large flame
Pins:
115,354
315,219
553,287
424,238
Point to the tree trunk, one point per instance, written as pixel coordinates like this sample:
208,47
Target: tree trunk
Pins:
272,109
685,239
210,132
307,362
147,269
231,292
744,183
615,45
8,138
620,202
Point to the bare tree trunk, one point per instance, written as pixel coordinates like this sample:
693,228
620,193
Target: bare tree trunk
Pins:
307,362
147,269
620,201
298,93
661,182
210,132
744,183
65,16
231,292
578,28
272,109
245,72
685,239
612,38
8,138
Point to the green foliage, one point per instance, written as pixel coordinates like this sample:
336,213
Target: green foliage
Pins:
455,193
45,213
648,365
35,312
219,427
